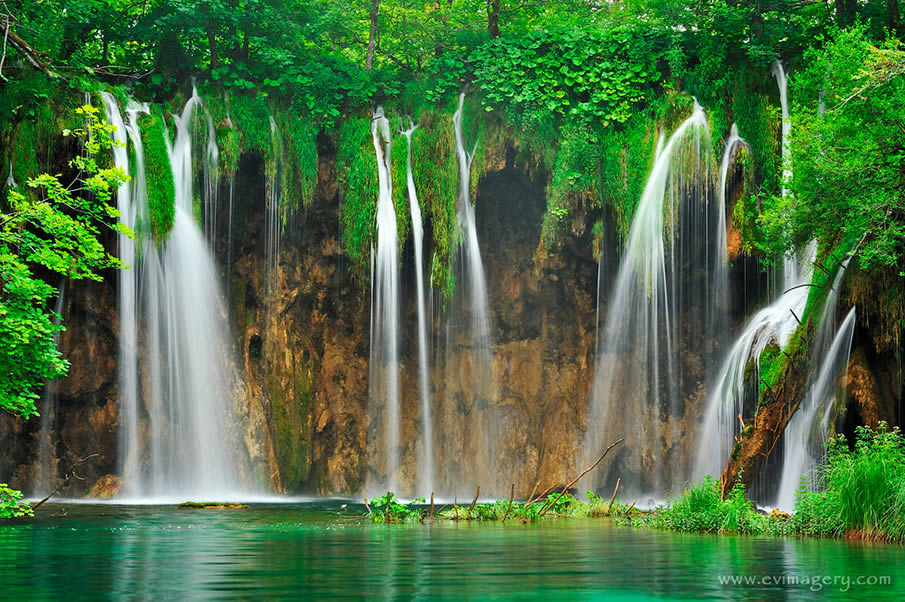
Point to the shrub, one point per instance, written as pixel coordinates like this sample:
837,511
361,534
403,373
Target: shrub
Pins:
862,489
11,503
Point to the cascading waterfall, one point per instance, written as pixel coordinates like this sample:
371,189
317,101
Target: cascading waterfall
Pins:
384,361
774,324
804,439
187,404
127,284
474,444
426,464
272,209
670,273
730,398
780,74
45,477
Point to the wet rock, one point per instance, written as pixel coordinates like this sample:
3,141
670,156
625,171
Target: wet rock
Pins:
106,487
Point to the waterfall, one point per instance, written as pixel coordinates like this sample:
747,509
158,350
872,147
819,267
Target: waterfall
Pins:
471,439
774,324
426,465
272,210
46,474
384,361
211,180
127,283
668,277
804,439
10,179
173,430
780,74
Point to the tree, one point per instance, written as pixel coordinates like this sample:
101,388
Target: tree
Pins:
53,230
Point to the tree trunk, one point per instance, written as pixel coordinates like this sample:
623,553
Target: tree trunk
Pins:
372,37
493,18
211,36
894,21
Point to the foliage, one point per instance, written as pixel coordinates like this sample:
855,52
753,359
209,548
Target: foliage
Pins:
700,509
586,75
861,489
356,172
159,174
388,509
56,230
11,503
847,159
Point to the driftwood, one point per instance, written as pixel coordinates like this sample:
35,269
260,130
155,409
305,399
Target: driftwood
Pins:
530,497
509,507
578,478
542,496
475,500
613,499
38,505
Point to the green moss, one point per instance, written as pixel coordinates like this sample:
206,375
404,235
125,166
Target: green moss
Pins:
159,174
436,174
626,158
292,427
251,117
759,123
357,177
298,176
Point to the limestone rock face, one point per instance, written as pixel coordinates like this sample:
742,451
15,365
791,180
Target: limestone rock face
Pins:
106,487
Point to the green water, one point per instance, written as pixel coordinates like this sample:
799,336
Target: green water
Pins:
321,550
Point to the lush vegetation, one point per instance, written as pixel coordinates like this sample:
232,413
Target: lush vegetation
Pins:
11,503
862,490
389,509
702,509
860,493
54,231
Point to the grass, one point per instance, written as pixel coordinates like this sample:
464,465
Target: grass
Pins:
551,506
863,489
700,509
861,496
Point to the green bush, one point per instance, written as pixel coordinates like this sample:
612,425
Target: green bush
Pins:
700,509
388,509
11,503
862,490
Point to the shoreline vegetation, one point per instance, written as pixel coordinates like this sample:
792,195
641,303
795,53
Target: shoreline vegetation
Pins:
860,495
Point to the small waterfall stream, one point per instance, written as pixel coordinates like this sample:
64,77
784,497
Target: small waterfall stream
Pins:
476,464
671,266
384,384
426,464
45,477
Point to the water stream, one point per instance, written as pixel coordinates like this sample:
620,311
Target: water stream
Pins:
426,463
671,265
384,383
